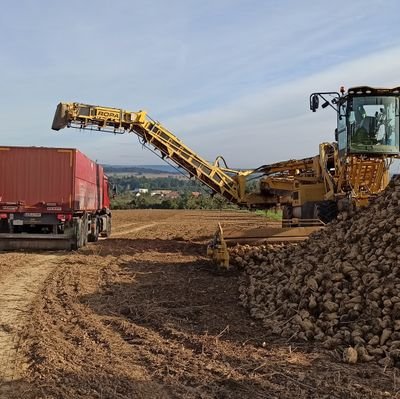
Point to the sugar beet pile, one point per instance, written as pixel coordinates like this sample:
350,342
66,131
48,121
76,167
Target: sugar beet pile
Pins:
340,288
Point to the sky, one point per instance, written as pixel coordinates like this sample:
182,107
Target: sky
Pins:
228,77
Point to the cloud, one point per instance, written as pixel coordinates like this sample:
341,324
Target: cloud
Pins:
275,123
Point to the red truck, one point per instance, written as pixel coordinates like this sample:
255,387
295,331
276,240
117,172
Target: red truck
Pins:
51,198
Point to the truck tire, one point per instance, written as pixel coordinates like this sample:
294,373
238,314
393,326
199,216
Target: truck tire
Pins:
85,229
107,231
93,237
77,240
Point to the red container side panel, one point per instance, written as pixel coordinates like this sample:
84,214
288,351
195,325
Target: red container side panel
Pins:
36,176
100,192
88,183
106,195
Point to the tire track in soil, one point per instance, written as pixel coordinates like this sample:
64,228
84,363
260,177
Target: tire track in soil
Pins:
121,233
17,292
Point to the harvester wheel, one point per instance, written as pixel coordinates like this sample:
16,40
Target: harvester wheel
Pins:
326,211
307,212
287,214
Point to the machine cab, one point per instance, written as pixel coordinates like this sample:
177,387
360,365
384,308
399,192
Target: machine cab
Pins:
367,120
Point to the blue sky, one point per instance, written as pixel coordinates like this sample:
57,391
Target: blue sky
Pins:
227,77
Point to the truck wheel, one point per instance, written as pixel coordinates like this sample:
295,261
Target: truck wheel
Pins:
85,232
77,239
107,232
93,237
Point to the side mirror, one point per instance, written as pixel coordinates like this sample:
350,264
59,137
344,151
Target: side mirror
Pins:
314,102
334,99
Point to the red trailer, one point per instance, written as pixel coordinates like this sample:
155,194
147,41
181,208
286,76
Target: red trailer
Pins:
51,198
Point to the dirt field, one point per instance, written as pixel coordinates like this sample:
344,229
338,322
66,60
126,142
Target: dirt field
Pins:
146,315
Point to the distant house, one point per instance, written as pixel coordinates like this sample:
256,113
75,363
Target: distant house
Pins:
165,194
172,195
139,191
160,193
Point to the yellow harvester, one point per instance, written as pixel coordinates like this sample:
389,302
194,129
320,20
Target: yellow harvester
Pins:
345,173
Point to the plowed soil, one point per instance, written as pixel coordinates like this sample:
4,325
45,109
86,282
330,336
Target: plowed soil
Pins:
145,314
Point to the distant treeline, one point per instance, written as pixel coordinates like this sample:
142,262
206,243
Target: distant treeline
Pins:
128,183
127,197
185,201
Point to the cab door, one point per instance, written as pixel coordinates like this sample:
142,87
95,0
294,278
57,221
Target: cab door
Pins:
342,134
